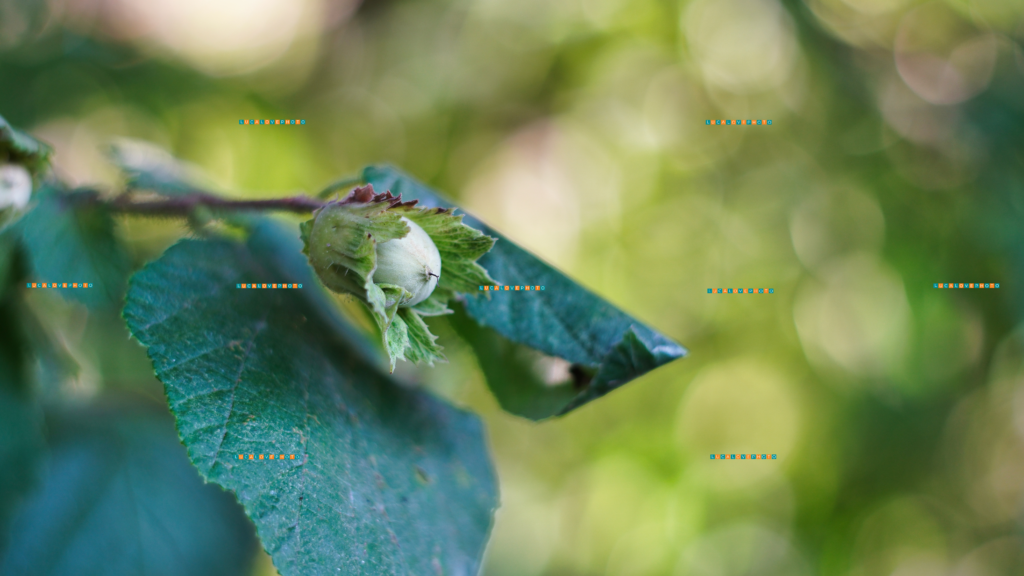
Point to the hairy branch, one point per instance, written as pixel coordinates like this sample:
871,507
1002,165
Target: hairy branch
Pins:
185,205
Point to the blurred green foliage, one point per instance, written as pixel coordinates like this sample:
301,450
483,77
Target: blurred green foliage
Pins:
577,129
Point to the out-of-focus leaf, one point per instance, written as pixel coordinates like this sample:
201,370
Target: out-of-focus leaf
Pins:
563,320
385,480
147,167
20,432
119,497
8,259
20,148
70,239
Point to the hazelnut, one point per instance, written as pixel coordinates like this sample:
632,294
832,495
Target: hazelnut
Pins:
15,186
411,262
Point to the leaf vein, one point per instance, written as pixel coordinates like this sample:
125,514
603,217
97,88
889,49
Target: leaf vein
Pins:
234,388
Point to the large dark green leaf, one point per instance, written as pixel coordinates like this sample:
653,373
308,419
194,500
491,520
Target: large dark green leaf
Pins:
385,480
71,239
563,320
278,247
511,371
20,419
119,497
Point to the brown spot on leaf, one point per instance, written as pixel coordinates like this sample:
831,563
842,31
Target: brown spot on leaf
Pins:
421,475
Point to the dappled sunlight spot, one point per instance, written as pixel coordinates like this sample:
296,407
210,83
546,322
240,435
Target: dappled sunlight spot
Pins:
264,160
603,14
875,6
1018,57
742,406
955,162
902,533
1006,372
613,99
840,220
223,37
670,106
534,20
77,158
682,228
141,156
1018,412
208,137
687,511
941,57
80,145
362,127
1001,487
995,438
855,27
993,558
642,551
741,549
526,528
743,46
951,340
986,448
912,117
542,185
738,231
611,498
923,565
857,316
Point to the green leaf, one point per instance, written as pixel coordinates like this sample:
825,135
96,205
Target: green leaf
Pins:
119,497
20,148
564,320
277,246
9,269
510,373
147,167
385,480
70,239
20,418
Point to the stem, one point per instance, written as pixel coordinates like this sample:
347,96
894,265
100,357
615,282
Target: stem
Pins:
185,205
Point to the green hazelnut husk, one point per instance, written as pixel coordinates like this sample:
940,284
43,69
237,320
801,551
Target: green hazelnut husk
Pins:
389,254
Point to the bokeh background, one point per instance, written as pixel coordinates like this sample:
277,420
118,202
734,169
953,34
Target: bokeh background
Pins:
895,160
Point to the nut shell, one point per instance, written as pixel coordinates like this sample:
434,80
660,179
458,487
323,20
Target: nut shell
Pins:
411,262
15,186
